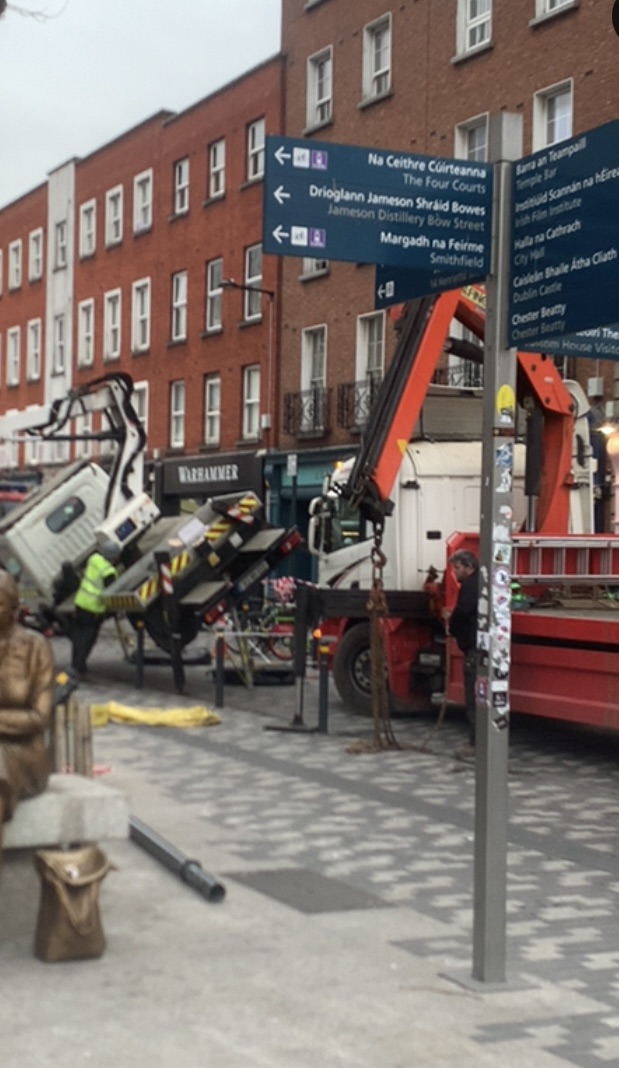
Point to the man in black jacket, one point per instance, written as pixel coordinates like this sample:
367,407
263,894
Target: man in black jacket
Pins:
463,627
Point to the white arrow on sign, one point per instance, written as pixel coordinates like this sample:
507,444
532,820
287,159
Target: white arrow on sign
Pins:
380,292
278,234
281,155
281,195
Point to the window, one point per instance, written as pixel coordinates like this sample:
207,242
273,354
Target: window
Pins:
13,355
320,88
83,428
214,294
313,377
139,399
472,139
253,278
179,306
59,340
111,325
35,255
88,229
255,150
217,168
370,346
177,415
33,355
313,267
212,409
251,401
552,115
15,265
114,216
142,202
86,333
60,245
548,7
181,187
377,58
62,517
140,317
474,24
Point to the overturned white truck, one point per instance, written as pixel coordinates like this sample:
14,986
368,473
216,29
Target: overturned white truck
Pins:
208,560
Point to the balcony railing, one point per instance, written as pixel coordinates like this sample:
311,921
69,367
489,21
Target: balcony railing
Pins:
308,414
465,375
355,400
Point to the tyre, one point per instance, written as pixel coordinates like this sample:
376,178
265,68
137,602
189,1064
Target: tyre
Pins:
352,669
281,641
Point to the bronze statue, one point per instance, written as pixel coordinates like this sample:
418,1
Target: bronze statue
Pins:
26,696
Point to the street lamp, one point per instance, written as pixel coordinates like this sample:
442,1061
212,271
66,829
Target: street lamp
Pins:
229,283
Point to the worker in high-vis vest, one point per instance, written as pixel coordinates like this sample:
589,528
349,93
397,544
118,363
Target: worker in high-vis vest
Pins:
89,604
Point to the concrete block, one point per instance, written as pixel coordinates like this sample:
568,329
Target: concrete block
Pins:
72,809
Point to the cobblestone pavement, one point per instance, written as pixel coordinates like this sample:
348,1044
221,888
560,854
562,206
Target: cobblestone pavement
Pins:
396,829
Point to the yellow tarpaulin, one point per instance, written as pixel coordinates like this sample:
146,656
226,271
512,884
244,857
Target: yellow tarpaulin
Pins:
194,716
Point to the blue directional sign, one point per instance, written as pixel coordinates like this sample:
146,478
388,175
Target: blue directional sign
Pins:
368,205
394,285
601,343
565,242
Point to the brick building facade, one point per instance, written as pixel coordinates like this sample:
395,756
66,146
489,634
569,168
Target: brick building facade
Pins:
145,251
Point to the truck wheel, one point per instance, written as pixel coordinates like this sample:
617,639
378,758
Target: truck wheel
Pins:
351,669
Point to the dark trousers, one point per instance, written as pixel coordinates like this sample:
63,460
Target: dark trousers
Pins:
469,669
86,627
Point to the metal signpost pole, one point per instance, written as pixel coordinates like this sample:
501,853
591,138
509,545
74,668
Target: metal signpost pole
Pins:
494,626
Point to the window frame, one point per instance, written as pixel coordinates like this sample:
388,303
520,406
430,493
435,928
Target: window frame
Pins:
88,233
251,403
314,118
143,201
252,295
256,149
364,343
15,264
181,186
370,75
462,132
141,304
543,10
61,245
177,412
140,401
34,353
179,308
112,325
214,297
468,23
212,412
13,356
114,208
541,100
35,254
86,337
59,344
217,169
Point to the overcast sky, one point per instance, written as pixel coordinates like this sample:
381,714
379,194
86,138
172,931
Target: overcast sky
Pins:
95,68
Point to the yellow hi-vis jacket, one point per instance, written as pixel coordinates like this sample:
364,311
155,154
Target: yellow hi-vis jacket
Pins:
89,595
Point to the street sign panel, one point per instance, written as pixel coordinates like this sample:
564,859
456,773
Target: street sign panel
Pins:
394,285
565,239
368,205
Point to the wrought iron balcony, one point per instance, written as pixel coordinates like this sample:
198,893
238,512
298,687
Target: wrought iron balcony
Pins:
464,375
308,414
355,400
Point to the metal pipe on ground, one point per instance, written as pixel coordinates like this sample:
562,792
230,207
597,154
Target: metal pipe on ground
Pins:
190,871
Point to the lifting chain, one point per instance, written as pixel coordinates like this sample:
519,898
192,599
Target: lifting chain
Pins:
384,738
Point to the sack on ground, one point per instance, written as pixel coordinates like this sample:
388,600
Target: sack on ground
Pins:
69,922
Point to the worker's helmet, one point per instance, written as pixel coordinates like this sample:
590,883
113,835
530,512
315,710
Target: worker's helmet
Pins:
110,550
